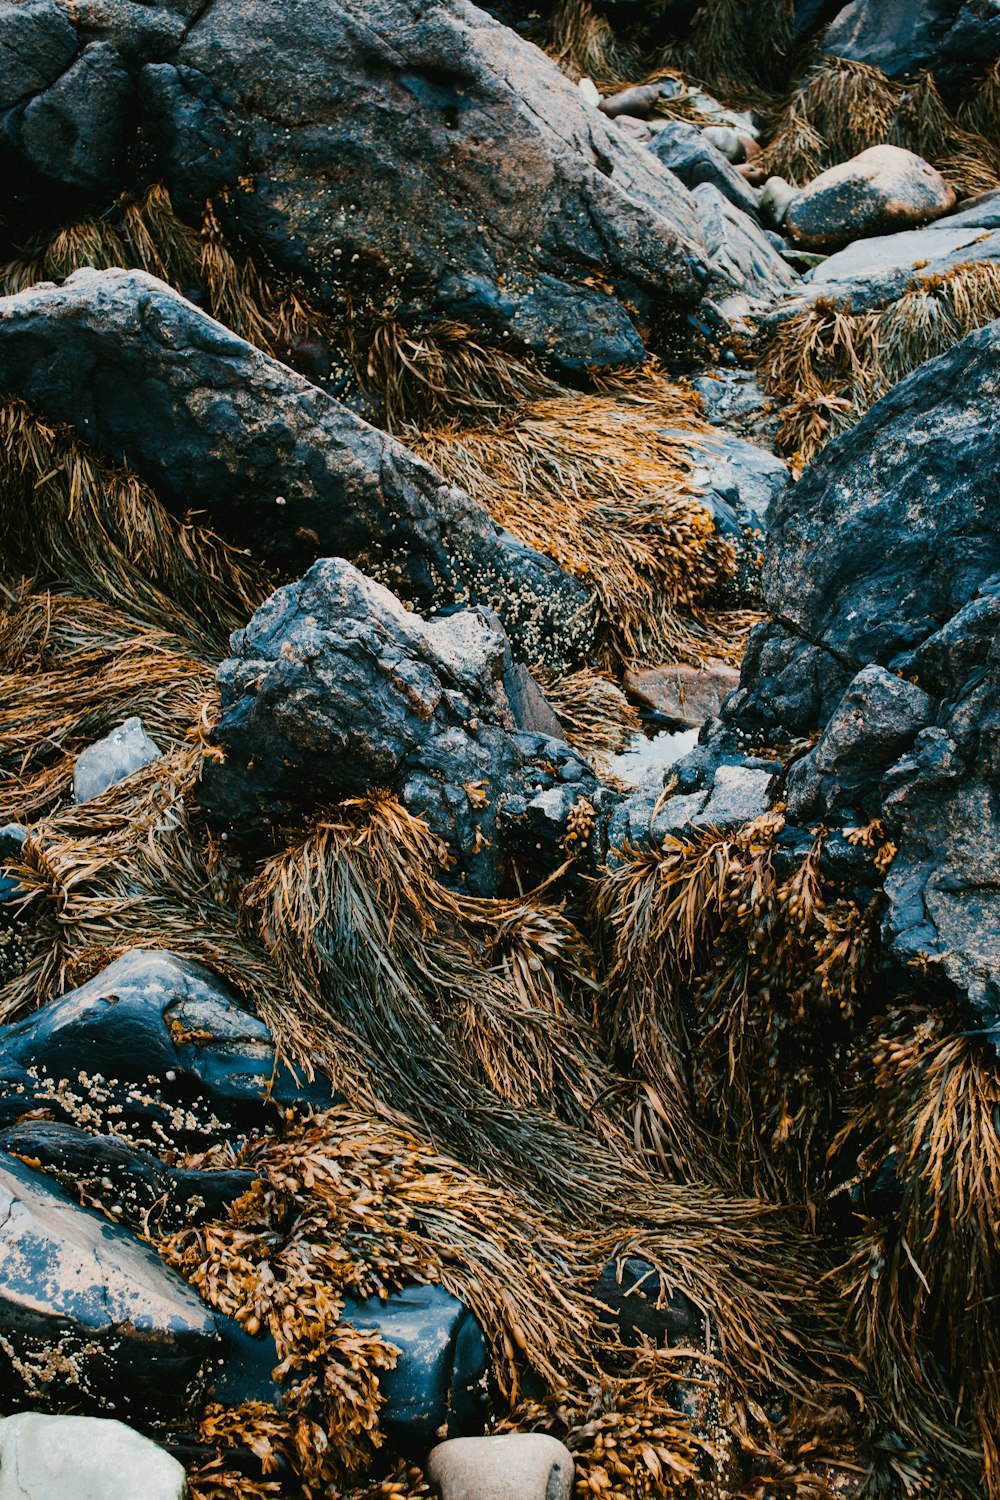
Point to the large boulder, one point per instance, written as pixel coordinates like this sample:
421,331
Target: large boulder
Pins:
425,147
88,1313
881,190
277,464
883,581
334,687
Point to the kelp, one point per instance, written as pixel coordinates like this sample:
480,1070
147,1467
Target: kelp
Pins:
827,365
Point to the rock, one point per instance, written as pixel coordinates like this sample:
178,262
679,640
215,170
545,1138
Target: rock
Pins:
76,131
958,40
120,754
335,687
83,1458
639,101
439,1382
734,400
514,1466
776,198
883,189
428,148
278,465
88,1313
37,43
871,273
884,567
685,695
156,1044
140,32
130,1185
644,1307
878,718
690,155
727,141
743,260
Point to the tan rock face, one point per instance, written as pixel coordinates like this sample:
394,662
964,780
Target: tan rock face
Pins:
883,189
516,1466
689,695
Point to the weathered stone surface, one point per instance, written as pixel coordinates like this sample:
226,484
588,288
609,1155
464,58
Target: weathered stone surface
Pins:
75,132
878,718
110,760
88,1313
742,257
426,147
958,39
83,1458
154,1042
37,42
776,198
883,189
686,695
514,1466
276,463
691,156
335,687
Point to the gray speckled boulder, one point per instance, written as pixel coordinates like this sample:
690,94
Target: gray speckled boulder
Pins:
881,190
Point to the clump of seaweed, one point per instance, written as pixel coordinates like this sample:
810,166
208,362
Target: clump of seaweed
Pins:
828,365
77,521
736,985
584,45
596,716
601,483
921,1283
840,109
924,125
741,48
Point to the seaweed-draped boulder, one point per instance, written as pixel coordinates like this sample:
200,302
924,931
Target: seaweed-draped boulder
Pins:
213,423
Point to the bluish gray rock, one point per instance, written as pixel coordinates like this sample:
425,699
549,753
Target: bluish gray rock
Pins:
119,755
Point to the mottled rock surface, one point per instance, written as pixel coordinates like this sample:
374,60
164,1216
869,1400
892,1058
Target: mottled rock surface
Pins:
881,190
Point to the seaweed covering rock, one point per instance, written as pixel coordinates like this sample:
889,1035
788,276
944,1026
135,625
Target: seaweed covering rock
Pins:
276,463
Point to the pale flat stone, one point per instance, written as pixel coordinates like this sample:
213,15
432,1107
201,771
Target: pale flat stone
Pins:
83,1458
121,753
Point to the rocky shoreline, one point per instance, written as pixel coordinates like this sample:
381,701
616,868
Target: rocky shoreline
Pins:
424,1069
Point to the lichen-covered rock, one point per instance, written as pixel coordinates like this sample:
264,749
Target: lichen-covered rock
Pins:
156,1044
213,423
83,1458
335,687
88,1313
881,190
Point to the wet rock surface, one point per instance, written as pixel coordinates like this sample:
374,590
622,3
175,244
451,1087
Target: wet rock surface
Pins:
207,418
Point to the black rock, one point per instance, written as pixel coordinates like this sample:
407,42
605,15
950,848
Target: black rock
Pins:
276,463
335,687
129,1184
90,1316
645,1308
76,131
154,1043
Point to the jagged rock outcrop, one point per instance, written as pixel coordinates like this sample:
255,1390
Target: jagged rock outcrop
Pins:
212,422
336,687
959,39
883,583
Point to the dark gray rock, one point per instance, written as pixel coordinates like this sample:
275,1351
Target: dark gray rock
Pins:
89,1315
131,1185
213,423
37,42
155,1044
425,147
743,260
684,149
335,687
958,39
877,192
878,718
75,132
644,1307
140,32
